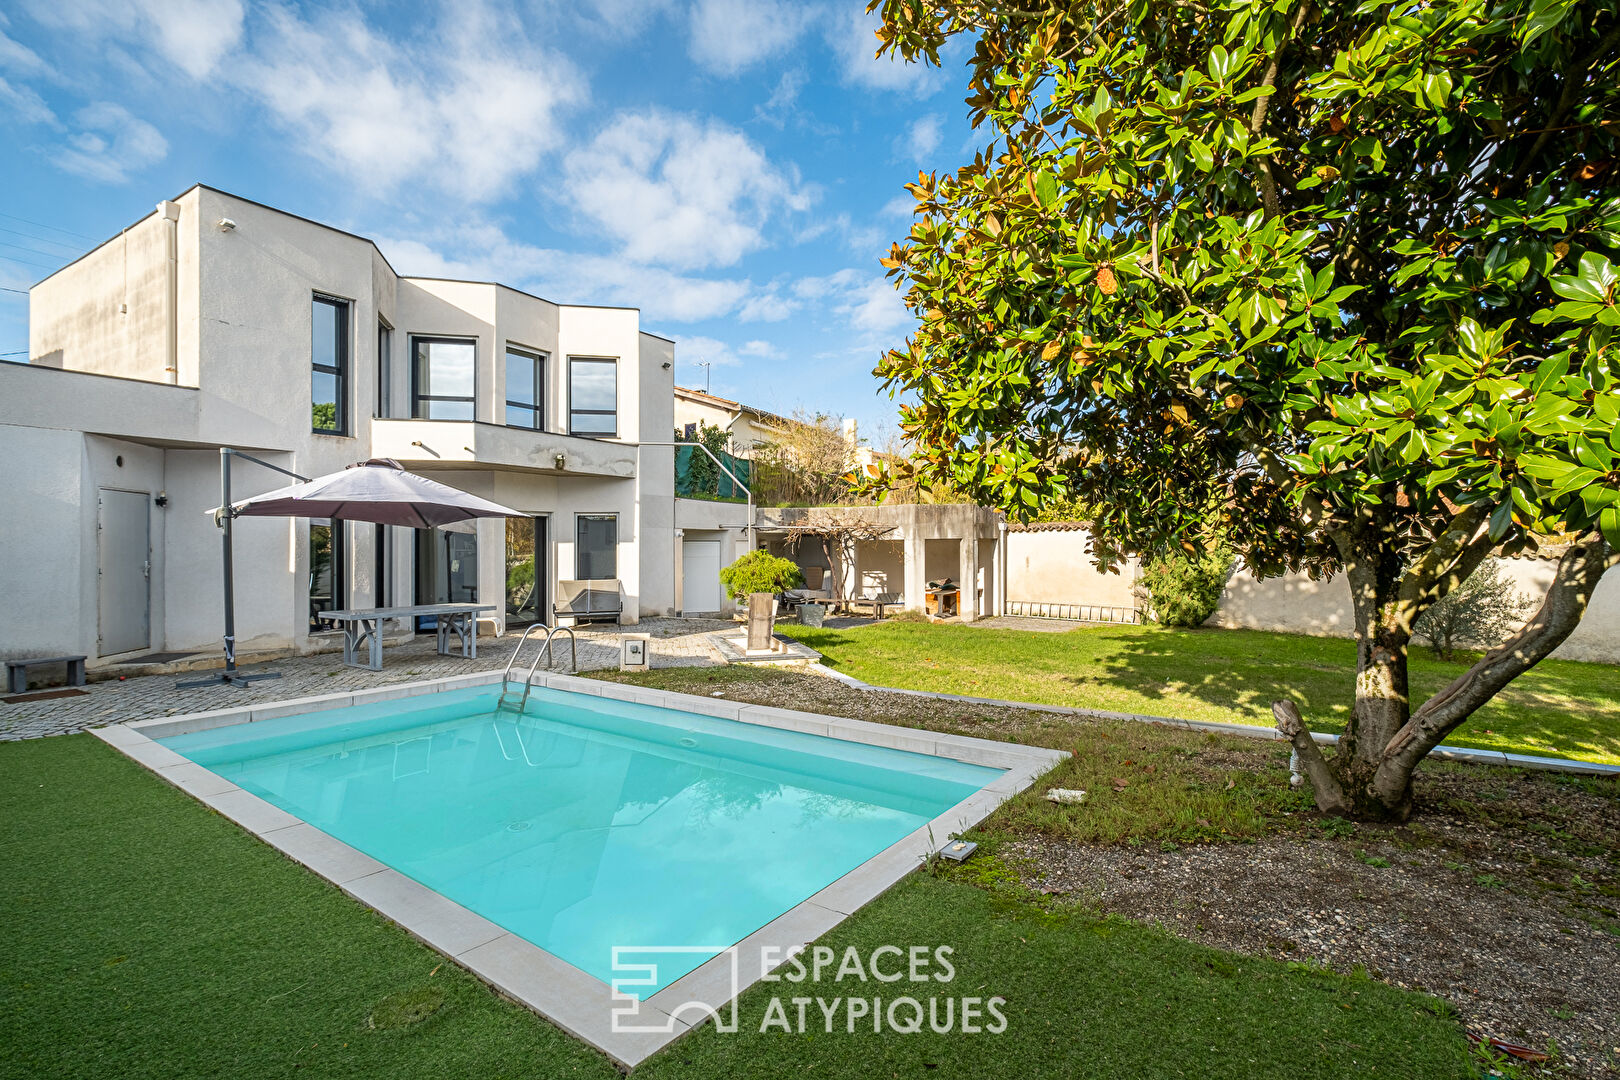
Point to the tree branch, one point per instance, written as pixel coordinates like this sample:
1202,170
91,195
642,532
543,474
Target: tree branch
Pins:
1577,577
1268,182
1329,792
1455,554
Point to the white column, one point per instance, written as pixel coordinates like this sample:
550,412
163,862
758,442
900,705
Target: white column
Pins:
967,602
916,574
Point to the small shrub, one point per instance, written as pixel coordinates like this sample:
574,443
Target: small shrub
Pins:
1183,590
1483,610
760,571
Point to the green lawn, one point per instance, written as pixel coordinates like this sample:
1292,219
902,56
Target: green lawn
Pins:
146,936
1560,708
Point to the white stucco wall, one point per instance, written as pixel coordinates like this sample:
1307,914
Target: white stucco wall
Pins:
1056,567
1295,604
242,322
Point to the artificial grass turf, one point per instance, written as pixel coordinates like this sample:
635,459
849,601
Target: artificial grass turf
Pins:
1560,708
146,936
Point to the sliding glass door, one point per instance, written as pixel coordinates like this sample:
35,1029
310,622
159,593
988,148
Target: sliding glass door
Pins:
446,570
527,571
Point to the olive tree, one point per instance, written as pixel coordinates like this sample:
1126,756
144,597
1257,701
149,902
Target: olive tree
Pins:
1330,281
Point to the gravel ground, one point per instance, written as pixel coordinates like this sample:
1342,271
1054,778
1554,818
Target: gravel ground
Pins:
1511,920
1499,897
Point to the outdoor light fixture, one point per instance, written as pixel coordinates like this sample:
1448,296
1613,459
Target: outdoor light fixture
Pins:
958,850
560,461
225,224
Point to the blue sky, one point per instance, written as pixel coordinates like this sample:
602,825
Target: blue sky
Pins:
732,167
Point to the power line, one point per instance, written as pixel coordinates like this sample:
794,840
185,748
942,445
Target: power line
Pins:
53,228
26,251
26,263
75,249
20,292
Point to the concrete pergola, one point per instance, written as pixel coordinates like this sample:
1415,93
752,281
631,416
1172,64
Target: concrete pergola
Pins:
921,543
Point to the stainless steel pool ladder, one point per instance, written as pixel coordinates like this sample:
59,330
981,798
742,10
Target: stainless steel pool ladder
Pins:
511,700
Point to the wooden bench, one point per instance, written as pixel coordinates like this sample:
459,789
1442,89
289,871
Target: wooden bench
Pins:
589,600
17,670
878,603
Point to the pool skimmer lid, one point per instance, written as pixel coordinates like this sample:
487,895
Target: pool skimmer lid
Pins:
959,850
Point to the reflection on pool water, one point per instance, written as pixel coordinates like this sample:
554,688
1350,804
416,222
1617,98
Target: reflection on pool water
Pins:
587,823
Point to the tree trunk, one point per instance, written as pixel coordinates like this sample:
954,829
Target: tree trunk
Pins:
1369,777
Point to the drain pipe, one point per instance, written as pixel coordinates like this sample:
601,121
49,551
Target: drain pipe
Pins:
171,300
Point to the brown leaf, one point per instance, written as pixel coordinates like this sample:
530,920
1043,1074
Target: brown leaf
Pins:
1560,249
1120,783
1336,124
1106,280
1234,401
1051,350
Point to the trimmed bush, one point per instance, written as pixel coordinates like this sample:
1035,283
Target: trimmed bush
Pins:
1184,590
760,571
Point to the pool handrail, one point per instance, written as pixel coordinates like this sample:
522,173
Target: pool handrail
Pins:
545,652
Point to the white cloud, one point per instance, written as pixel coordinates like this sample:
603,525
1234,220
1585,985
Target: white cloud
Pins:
730,36
900,206
110,143
193,35
760,348
766,307
783,101
695,348
680,192
20,103
19,58
852,35
921,139
466,110
485,253
617,20
868,303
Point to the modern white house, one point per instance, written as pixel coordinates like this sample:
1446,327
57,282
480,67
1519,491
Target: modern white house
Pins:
217,321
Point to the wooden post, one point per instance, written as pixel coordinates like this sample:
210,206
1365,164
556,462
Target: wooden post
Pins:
759,620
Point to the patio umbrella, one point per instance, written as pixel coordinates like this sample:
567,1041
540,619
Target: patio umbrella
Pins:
378,490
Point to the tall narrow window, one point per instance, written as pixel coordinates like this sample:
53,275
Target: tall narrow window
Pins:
329,366
525,390
596,546
328,575
593,396
385,371
441,379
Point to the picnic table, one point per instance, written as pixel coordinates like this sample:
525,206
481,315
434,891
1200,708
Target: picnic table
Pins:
360,627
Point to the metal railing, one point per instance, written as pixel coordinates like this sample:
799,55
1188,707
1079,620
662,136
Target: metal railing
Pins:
1097,613
505,701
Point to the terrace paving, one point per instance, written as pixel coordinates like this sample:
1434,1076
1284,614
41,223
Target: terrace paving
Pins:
675,643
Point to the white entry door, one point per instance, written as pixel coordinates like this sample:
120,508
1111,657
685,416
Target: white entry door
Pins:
700,575
124,571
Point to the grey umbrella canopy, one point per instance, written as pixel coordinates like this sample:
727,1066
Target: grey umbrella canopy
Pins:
378,490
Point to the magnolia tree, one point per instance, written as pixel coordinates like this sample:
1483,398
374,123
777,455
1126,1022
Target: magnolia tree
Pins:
1329,280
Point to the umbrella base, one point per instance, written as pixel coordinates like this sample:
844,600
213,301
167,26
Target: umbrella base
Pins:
234,678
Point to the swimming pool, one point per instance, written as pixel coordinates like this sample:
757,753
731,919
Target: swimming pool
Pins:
588,822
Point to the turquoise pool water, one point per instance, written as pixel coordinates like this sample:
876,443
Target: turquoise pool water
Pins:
588,823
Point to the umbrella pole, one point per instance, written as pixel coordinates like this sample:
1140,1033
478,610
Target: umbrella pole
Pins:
230,674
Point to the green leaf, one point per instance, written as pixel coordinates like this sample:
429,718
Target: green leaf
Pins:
1046,189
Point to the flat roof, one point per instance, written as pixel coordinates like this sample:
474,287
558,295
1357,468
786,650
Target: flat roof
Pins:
330,228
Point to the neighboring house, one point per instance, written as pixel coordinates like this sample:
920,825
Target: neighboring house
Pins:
217,321
751,427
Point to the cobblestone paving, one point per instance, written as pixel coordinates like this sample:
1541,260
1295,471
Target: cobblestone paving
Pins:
675,643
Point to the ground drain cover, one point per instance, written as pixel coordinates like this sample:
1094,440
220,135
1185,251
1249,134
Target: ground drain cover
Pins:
520,826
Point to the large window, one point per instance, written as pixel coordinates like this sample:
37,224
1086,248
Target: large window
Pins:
441,379
327,572
329,366
525,390
596,546
593,396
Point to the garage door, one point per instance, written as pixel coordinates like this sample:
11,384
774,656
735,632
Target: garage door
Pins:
700,575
